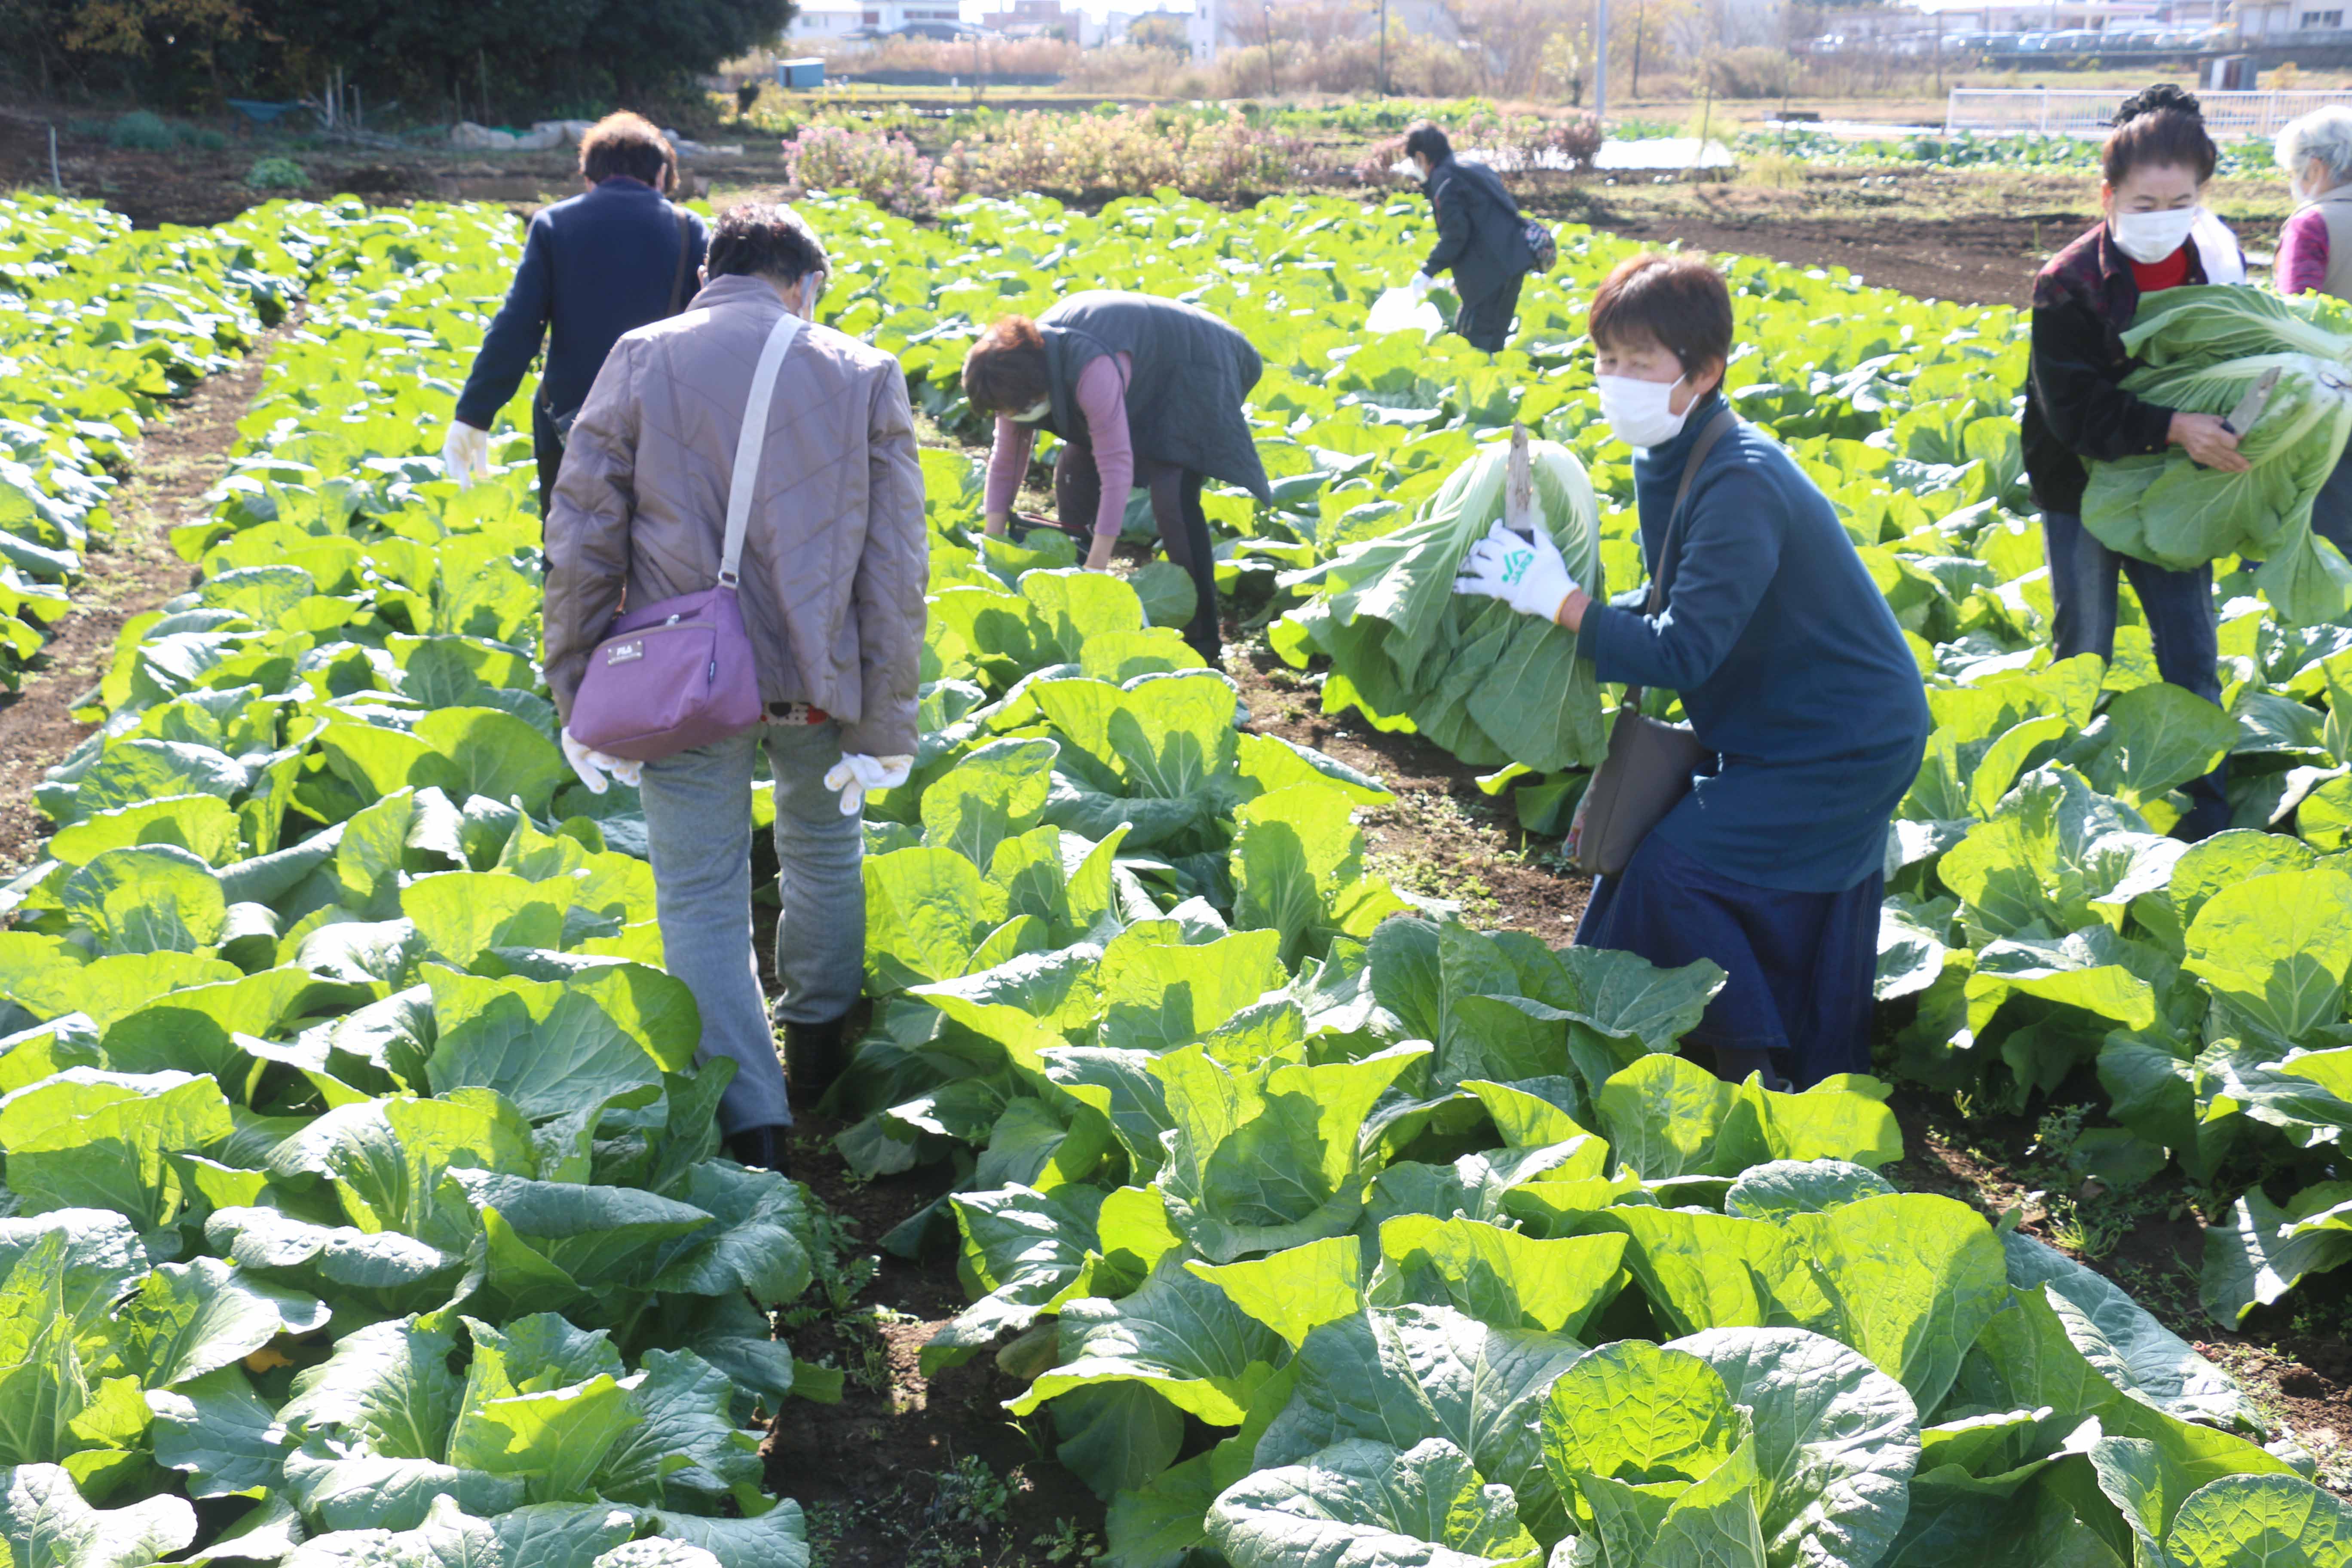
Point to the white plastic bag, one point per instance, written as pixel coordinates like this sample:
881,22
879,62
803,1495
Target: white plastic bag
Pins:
1403,311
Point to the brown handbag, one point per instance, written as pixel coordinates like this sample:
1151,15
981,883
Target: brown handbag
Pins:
1650,763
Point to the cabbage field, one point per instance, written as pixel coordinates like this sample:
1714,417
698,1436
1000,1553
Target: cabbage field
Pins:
100,327
362,1206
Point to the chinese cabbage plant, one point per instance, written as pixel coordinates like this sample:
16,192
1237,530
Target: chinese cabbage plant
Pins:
2202,350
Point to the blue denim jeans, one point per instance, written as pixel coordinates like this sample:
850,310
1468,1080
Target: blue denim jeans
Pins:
699,827
2181,621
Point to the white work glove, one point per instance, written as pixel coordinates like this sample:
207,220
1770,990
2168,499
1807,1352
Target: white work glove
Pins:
466,453
858,776
1421,285
593,766
1530,577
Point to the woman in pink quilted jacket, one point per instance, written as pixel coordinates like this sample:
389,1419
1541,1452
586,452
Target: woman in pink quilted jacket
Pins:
2315,255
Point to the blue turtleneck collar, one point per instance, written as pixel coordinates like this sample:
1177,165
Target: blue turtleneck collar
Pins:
1664,461
1658,472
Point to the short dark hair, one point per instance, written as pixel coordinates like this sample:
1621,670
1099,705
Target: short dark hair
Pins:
2158,126
1424,139
765,240
1680,302
626,143
1004,372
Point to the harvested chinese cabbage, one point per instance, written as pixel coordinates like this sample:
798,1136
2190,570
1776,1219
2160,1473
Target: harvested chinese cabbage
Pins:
1488,684
2202,349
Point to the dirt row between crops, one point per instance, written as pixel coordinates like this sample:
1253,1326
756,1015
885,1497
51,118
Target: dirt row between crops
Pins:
180,455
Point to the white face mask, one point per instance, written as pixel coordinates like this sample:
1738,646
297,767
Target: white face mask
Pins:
1639,413
1034,412
2151,236
804,295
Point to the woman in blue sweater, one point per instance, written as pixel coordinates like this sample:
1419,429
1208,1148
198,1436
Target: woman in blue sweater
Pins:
595,268
1791,669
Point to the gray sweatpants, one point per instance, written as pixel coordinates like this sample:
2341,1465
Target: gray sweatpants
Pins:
698,824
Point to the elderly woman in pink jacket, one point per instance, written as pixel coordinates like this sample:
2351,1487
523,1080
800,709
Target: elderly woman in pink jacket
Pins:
832,580
2314,254
1144,393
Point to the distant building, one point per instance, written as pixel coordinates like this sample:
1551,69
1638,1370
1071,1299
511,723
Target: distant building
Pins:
2058,16
873,18
1033,19
818,21
1216,26
2278,21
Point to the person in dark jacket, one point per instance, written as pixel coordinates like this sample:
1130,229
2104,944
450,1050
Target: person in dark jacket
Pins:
2153,236
1142,391
1791,671
601,264
1481,237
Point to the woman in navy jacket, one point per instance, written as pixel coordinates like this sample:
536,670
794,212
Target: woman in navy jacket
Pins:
1790,668
598,266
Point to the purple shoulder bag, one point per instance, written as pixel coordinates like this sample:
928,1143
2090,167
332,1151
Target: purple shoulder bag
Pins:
679,674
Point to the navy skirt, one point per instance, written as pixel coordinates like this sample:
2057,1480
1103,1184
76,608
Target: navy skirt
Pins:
1799,966
2331,508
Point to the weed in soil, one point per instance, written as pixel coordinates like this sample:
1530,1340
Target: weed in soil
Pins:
963,1516
908,1470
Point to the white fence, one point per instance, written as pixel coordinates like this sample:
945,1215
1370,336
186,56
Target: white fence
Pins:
2068,111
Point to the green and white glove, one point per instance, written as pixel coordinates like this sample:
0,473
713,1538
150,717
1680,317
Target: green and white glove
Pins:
1530,577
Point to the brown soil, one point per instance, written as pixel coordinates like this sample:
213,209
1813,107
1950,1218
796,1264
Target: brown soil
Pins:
1974,238
877,1473
1981,262
180,455
1443,836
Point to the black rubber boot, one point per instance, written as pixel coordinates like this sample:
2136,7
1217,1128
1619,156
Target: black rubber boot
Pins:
815,1054
761,1148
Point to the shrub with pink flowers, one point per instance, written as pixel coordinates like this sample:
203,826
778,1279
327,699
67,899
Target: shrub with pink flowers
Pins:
1372,168
1577,138
1216,157
884,167
1212,156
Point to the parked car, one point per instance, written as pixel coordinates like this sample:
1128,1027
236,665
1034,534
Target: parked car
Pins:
2033,43
2072,41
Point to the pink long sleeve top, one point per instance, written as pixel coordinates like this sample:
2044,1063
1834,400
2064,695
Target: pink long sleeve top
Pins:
1102,404
2302,264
